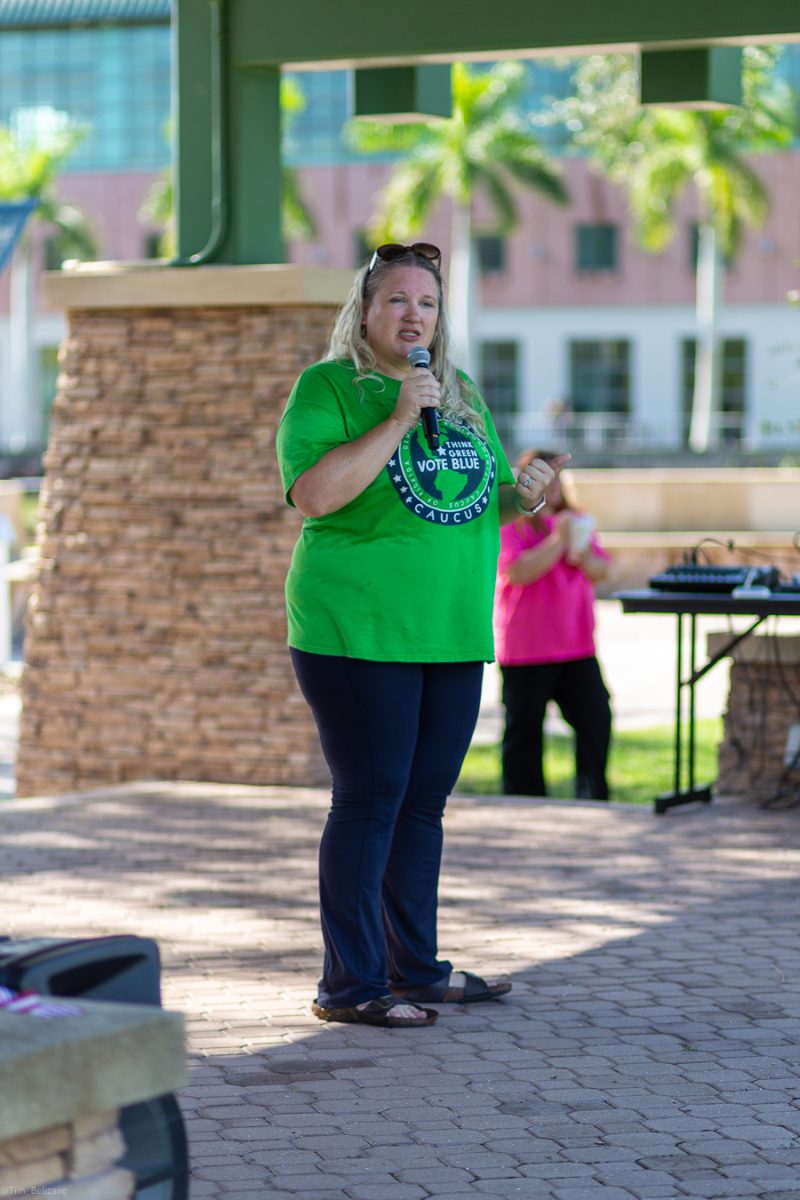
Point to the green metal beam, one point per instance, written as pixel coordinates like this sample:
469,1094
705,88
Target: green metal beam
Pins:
344,32
227,139
704,77
254,234
403,93
258,37
191,99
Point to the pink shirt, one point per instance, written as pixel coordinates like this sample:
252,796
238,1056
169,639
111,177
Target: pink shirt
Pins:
549,620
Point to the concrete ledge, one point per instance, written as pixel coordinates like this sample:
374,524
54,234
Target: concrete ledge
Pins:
58,1070
157,285
771,650
691,498
684,539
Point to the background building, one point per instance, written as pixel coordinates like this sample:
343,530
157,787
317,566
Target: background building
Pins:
582,336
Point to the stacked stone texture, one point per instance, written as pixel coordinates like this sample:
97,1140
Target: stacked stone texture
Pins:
763,705
75,1160
156,633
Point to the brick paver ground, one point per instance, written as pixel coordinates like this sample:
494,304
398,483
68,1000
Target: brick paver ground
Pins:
650,1048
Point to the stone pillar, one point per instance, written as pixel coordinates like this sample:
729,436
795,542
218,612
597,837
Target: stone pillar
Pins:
77,1159
156,635
62,1084
762,709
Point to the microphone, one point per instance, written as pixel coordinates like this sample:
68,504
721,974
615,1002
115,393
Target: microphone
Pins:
418,356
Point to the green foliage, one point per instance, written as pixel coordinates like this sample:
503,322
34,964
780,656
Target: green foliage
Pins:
655,153
29,516
158,206
298,221
641,764
29,169
487,145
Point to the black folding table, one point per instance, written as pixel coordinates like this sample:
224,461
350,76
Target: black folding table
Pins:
687,606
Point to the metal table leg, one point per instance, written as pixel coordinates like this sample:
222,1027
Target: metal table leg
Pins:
693,794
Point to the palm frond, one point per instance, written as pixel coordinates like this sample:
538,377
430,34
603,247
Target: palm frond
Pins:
656,153
292,99
377,137
75,238
535,169
492,92
28,169
406,202
485,143
159,203
500,198
735,197
298,221
654,186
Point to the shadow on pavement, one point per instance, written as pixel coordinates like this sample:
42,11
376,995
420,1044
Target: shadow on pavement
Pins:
649,1049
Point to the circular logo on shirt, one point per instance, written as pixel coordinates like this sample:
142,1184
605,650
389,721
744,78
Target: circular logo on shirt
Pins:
448,486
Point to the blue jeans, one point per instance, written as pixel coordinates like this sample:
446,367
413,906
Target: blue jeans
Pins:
394,736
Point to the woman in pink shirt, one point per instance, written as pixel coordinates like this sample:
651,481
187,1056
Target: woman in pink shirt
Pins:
544,643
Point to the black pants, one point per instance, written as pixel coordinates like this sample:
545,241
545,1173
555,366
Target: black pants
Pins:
394,735
579,691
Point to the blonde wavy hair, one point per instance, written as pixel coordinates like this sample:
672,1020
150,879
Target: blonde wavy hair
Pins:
459,397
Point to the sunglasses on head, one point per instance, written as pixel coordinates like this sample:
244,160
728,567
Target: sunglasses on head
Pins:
393,250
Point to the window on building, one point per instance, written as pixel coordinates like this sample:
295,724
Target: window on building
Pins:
733,388
314,135
595,248
491,253
600,376
549,81
499,362
362,250
151,247
113,81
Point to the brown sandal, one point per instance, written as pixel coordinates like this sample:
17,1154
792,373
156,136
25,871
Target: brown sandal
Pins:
377,1012
474,988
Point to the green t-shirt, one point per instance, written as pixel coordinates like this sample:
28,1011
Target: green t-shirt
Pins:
405,572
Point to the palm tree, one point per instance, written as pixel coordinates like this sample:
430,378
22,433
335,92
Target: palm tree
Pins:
655,154
158,207
486,146
29,167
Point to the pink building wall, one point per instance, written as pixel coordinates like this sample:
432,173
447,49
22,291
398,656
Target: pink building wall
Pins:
540,254
111,202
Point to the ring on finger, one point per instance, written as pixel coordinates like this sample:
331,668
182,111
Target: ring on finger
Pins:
525,480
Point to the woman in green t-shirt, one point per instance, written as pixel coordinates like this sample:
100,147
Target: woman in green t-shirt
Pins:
389,600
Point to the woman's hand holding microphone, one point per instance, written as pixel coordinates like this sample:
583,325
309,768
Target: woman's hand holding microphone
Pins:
418,391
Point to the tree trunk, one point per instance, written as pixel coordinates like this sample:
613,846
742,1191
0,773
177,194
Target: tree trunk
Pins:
704,426
461,286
